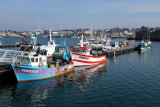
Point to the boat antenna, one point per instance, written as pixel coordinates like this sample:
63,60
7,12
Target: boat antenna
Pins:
149,34
35,42
46,24
38,22
52,32
65,38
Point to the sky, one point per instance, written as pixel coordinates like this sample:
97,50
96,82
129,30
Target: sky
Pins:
28,15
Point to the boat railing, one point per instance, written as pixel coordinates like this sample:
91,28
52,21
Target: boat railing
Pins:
11,55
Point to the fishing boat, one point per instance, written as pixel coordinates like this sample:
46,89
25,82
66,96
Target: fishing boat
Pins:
107,44
146,43
87,55
35,66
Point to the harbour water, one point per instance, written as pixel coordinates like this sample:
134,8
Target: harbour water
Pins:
131,79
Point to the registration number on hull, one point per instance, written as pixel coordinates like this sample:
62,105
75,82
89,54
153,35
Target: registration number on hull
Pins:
30,71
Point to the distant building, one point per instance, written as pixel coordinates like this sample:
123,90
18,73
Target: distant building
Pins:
46,32
152,33
55,33
2,33
65,33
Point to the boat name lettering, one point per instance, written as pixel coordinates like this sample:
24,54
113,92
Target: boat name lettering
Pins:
83,57
30,71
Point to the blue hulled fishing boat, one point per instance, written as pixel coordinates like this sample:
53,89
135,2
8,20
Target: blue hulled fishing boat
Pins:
35,66
145,45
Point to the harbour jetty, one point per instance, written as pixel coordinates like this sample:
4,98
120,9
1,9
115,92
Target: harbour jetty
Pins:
9,45
122,50
23,46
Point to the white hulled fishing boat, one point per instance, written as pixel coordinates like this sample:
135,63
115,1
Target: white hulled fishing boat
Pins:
86,55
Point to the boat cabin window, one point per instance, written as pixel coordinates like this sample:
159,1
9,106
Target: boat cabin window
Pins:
42,52
32,59
36,59
24,59
83,50
40,59
85,45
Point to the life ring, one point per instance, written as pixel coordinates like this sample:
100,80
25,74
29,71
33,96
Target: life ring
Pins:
40,64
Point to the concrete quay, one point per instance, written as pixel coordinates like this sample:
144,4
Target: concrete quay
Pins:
122,50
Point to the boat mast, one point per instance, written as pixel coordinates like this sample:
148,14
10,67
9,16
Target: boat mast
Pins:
35,42
91,34
82,40
149,34
50,37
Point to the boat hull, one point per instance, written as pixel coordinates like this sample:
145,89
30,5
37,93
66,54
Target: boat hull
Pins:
142,47
49,57
25,74
86,60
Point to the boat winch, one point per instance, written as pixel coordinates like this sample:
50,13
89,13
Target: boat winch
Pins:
97,48
61,56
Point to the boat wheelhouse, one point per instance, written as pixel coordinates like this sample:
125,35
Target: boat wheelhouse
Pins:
48,49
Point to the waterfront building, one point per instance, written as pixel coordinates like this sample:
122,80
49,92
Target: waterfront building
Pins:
154,33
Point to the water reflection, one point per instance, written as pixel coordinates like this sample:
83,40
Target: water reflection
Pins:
82,75
31,92
36,92
144,51
144,54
